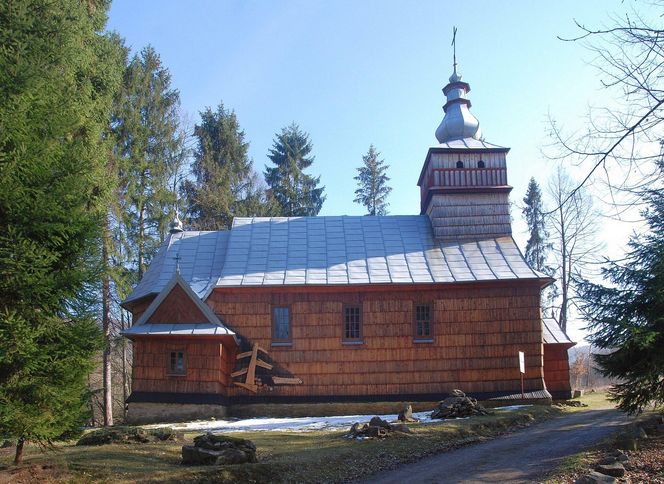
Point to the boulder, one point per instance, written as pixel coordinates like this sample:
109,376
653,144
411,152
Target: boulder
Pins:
218,449
614,470
406,414
457,406
379,422
595,478
403,428
124,435
232,456
192,455
377,428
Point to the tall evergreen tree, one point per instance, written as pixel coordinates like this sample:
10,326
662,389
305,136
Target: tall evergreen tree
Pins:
537,246
372,184
225,184
295,192
58,74
628,315
149,153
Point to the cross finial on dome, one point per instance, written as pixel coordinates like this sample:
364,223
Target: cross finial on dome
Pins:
458,122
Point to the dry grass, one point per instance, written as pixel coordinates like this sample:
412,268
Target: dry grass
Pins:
283,456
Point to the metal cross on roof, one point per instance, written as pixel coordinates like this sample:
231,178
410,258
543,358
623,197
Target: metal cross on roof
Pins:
177,263
454,32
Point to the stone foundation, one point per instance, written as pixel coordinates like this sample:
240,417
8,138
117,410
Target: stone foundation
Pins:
324,409
143,413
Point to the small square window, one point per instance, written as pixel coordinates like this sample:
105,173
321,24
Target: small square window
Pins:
352,323
423,321
176,363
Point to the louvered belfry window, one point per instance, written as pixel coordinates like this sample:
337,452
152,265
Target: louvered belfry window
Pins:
352,323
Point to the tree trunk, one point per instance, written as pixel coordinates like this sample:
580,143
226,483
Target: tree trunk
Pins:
141,242
18,456
125,373
106,326
564,283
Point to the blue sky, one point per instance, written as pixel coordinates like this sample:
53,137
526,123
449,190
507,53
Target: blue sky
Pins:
352,73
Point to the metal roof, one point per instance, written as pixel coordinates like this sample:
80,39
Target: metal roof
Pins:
179,329
360,250
200,256
344,250
553,333
468,144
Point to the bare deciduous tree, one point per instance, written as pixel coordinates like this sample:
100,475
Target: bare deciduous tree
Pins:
573,229
622,141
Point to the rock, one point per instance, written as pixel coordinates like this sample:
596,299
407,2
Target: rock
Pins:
625,441
218,449
402,428
614,470
232,456
376,432
607,460
192,455
379,422
619,455
458,405
406,414
123,435
595,478
577,393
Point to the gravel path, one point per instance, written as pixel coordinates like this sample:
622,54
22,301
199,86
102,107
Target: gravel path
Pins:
519,457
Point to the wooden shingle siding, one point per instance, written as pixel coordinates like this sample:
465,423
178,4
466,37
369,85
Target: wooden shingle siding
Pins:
477,331
207,365
177,308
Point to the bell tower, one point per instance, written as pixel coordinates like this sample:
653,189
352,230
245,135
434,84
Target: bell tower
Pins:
463,183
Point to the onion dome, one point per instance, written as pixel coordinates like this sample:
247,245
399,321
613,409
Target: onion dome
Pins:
458,122
175,226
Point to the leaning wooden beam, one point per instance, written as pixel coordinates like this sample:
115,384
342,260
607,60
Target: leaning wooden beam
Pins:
251,388
239,372
262,364
280,380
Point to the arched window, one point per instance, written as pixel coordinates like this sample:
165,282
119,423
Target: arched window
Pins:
480,164
459,164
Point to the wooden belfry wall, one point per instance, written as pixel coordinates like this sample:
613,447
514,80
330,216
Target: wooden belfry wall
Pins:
478,330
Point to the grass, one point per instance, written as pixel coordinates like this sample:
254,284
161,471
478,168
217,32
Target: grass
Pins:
324,456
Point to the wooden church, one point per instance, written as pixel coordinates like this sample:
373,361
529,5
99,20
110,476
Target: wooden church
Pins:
351,308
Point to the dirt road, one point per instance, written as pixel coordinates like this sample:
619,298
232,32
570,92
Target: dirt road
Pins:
519,457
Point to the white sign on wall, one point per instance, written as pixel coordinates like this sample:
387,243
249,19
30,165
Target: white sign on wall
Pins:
522,362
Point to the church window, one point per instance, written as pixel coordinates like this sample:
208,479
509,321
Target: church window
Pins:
281,324
352,323
459,164
480,164
177,363
423,321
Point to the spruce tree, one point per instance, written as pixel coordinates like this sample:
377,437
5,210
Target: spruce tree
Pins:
58,75
372,181
225,184
149,153
537,246
295,193
627,316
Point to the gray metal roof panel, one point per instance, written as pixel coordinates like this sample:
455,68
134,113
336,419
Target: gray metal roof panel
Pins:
329,250
552,333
